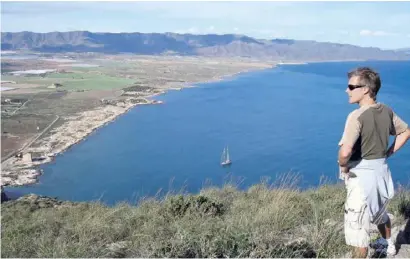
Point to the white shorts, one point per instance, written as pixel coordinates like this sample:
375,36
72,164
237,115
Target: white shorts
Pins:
369,190
356,216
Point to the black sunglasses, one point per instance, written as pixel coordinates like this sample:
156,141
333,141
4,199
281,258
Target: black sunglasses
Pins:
352,87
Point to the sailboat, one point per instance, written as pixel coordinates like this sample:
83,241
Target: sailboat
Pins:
225,157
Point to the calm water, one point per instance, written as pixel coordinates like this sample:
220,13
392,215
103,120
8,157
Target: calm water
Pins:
275,121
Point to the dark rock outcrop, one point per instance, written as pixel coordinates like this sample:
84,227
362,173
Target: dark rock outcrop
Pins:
34,202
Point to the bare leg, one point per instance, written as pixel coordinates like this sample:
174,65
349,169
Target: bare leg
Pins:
385,229
360,252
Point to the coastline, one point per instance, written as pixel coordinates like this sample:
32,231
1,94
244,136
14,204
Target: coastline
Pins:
16,172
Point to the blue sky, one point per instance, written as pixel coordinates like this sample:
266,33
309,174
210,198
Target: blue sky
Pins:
379,24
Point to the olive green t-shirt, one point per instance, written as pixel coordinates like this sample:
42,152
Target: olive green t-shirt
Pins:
368,129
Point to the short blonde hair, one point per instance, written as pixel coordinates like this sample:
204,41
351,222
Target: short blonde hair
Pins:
369,78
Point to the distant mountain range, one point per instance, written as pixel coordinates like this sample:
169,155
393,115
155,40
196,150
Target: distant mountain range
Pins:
404,50
228,45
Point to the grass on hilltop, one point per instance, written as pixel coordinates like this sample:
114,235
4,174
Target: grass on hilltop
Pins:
263,221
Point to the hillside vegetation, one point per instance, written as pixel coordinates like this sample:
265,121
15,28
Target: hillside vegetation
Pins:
263,221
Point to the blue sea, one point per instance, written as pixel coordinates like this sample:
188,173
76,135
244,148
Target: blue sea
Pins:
288,119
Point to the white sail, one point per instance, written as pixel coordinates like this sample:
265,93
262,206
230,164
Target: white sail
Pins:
225,160
223,156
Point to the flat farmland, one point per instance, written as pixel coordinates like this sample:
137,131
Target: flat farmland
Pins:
74,81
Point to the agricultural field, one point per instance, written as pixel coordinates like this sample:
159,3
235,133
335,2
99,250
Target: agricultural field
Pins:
35,100
73,81
20,128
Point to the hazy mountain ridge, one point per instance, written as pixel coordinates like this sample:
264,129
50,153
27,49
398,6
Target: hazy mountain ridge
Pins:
406,51
227,45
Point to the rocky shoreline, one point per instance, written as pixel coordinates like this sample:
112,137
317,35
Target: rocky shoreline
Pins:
18,172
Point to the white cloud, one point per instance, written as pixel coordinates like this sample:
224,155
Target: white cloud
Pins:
211,28
365,32
235,29
376,33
